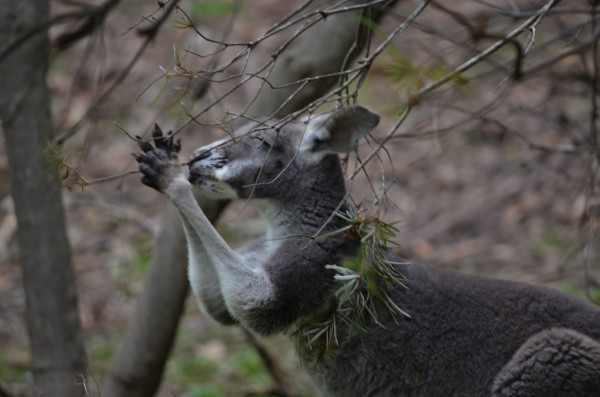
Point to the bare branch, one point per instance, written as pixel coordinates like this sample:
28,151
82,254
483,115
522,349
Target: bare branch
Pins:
90,21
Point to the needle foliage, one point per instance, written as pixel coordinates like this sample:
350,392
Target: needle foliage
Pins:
364,282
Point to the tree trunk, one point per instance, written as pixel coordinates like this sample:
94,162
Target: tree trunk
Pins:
138,366
338,37
57,347
139,362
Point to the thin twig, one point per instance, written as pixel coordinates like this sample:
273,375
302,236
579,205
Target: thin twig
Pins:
150,34
532,21
90,21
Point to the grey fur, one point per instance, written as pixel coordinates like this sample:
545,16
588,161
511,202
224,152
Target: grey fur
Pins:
467,336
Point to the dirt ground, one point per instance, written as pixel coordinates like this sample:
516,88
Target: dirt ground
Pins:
465,185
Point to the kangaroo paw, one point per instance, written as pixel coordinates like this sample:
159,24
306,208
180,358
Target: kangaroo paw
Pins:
159,162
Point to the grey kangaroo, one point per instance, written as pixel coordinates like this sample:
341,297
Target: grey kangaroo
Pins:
461,335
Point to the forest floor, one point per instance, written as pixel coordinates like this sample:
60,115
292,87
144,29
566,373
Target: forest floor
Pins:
466,196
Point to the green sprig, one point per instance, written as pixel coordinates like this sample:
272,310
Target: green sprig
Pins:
363,282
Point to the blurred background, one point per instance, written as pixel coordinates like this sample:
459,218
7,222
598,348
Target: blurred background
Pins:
487,157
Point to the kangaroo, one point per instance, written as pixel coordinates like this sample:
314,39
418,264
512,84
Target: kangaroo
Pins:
452,335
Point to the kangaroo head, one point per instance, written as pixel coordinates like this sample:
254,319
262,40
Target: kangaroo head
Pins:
277,163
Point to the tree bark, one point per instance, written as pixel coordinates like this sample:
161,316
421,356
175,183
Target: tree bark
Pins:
139,362
338,37
138,365
58,354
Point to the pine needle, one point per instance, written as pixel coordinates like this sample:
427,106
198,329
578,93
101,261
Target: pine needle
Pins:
363,282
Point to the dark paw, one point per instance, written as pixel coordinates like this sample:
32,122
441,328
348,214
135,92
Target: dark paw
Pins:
158,163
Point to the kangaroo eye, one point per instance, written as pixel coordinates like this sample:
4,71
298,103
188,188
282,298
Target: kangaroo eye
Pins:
261,142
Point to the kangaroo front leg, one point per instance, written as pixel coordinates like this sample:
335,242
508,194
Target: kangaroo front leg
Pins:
245,289
556,362
159,165
204,279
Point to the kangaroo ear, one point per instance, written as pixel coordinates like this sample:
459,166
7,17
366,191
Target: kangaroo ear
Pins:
338,131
